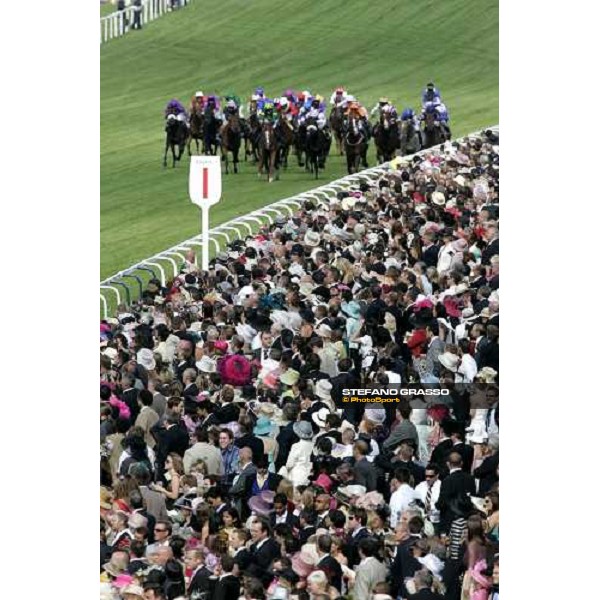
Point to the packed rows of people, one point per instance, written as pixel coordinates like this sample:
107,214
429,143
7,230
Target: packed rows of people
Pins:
231,469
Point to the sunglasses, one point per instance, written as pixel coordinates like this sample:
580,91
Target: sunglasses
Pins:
159,530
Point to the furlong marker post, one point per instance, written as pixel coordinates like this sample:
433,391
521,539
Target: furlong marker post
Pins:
205,191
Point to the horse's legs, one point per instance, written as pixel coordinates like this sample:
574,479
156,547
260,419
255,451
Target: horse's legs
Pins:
166,151
236,159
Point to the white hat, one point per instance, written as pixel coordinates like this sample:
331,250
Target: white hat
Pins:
312,238
206,365
376,415
323,389
111,353
460,180
449,360
320,416
145,357
323,331
438,198
349,202
432,563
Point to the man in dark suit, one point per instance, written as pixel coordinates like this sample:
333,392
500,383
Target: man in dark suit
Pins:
281,514
264,551
190,389
404,459
357,530
130,396
200,579
307,523
249,440
173,437
456,485
430,251
365,471
487,471
287,437
345,379
228,585
327,563
444,446
467,452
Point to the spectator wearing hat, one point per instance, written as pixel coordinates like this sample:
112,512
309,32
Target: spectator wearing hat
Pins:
298,465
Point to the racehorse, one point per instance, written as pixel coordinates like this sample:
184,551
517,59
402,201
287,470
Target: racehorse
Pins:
432,133
355,144
316,149
211,128
300,142
245,128
231,140
336,124
387,138
285,134
268,150
177,135
252,137
410,138
196,129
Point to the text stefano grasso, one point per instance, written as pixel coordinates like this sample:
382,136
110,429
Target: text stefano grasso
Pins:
389,392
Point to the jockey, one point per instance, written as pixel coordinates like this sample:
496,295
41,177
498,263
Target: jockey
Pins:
260,100
213,103
408,114
268,111
378,109
286,108
174,107
197,101
290,96
316,112
253,105
231,108
429,94
338,96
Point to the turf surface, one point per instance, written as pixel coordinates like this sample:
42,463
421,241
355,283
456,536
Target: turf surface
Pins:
372,48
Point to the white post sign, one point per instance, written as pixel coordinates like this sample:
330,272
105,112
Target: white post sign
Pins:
205,190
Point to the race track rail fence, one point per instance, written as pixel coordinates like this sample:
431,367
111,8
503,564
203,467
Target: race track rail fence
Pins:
118,23
127,284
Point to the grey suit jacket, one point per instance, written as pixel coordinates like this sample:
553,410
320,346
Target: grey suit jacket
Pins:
368,575
155,503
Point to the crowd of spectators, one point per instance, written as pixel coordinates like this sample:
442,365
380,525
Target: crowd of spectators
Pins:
229,466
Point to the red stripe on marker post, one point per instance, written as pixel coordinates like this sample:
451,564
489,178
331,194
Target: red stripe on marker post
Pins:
205,183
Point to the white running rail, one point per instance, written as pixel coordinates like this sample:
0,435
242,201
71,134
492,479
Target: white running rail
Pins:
237,228
121,22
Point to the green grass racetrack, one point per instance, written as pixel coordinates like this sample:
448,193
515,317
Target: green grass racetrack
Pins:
371,48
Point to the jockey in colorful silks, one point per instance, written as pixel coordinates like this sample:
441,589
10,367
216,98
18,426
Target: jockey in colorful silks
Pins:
197,102
174,107
408,114
440,112
232,106
259,92
429,94
378,109
338,96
